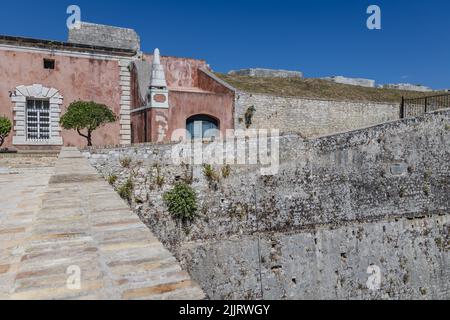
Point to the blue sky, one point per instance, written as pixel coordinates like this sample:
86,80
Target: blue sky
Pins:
318,37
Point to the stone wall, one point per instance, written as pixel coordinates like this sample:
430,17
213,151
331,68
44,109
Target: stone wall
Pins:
267,73
372,198
105,36
310,117
328,262
408,86
352,81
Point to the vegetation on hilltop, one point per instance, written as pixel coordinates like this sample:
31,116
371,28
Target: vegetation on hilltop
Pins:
317,89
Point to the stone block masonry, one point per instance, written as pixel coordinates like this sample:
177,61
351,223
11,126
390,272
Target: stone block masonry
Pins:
329,262
267,73
105,36
352,81
309,117
340,205
67,218
125,101
408,86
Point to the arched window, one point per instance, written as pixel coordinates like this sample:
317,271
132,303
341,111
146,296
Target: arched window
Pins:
202,127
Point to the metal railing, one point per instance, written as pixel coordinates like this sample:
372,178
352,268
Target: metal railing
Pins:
418,106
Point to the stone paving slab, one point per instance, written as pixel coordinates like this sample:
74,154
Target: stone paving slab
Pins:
67,218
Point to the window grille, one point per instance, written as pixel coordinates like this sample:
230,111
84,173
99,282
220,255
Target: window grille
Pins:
38,120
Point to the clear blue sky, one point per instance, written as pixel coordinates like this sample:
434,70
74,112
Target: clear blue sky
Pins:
318,37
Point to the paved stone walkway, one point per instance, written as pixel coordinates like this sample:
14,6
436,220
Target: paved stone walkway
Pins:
56,221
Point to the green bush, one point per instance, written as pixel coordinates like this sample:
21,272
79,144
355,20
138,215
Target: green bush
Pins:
426,190
182,201
5,129
226,171
125,162
112,179
210,173
249,116
160,181
126,190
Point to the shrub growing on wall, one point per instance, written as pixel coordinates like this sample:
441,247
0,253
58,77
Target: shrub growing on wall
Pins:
249,116
5,129
126,190
87,116
182,201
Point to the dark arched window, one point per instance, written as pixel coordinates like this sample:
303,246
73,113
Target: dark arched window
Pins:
202,127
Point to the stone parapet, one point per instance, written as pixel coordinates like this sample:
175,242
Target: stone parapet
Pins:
105,36
267,73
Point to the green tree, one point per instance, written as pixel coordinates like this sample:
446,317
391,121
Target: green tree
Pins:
88,116
5,129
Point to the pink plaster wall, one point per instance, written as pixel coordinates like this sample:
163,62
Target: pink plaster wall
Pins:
191,92
74,77
183,105
180,72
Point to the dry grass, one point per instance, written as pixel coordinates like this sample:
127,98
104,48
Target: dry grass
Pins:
317,89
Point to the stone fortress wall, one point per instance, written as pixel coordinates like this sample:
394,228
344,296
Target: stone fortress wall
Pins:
267,73
341,205
362,82
408,86
310,117
352,81
106,36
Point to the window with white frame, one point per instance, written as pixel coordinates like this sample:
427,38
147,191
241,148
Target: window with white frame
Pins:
37,111
38,120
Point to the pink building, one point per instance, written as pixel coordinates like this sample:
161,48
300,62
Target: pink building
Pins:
152,96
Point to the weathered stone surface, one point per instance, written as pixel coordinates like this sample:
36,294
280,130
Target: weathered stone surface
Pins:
352,81
407,86
398,169
47,229
70,178
4,170
21,197
267,73
329,262
310,117
105,36
339,204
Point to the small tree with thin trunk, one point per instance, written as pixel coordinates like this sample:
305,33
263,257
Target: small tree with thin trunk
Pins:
87,116
5,129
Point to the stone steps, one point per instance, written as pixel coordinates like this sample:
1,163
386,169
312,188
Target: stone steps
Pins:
83,225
